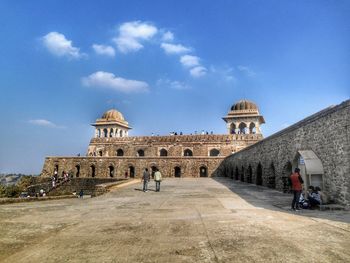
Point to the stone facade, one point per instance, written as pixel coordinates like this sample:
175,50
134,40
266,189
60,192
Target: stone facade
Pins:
319,145
112,153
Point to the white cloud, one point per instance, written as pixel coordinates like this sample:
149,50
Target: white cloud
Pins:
173,84
246,70
109,80
58,45
225,73
189,61
168,36
198,71
174,49
131,33
44,123
104,50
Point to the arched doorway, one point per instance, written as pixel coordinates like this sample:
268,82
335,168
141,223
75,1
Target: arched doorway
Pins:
311,168
250,175
203,171
232,128
259,173
92,171
286,172
177,171
153,170
111,171
77,170
272,177
242,174
236,173
132,171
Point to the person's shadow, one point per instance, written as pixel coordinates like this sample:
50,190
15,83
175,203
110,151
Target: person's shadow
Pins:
140,189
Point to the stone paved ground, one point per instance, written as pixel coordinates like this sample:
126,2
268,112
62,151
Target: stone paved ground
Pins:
190,220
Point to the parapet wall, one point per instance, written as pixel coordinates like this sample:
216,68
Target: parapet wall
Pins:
270,161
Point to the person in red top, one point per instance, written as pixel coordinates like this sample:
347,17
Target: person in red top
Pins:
297,186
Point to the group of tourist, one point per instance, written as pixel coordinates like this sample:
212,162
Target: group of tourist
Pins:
146,177
309,200
56,179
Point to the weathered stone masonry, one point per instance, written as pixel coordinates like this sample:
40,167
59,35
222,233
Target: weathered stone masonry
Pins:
319,142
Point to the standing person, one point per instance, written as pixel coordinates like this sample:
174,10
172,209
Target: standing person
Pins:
157,179
297,186
145,178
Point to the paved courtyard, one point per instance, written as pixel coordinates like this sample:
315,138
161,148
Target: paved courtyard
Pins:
190,220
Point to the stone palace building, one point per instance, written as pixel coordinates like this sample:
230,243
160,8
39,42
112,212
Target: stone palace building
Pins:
112,153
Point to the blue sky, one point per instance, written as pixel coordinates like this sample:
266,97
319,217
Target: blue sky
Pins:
166,65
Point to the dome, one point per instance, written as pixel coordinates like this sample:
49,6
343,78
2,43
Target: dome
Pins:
113,115
244,105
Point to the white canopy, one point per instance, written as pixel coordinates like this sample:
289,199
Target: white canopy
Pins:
312,162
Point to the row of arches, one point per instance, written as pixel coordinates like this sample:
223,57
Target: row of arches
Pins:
164,152
105,133
111,171
243,128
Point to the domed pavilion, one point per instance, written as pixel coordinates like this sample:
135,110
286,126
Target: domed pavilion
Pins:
244,118
111,124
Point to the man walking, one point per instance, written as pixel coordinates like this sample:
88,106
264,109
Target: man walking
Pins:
157,179
297,186
145,178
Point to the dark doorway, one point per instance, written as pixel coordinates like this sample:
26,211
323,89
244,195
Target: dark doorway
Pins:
177,171
120,152
153,170
77,170
111,171
250,175
236,173
272,177
92,170
203,171
132,171
287,171
259,179
242,174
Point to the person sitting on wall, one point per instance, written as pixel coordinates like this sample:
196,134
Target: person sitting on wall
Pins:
314,197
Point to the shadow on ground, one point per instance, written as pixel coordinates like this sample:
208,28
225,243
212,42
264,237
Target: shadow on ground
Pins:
260,196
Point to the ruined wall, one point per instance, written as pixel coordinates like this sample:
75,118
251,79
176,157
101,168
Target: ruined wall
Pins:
270,161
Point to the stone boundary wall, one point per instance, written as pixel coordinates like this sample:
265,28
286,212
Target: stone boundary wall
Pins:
270,161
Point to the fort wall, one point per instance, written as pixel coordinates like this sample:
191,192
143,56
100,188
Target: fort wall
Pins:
270,161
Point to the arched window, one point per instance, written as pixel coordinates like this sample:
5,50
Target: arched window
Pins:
121,133
120,152
188,152
163,152
105,133
100,153
242,128
99,133
140,153
214,152
111,133
252,129
250,175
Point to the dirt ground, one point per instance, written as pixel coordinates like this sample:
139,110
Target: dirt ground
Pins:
190,220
